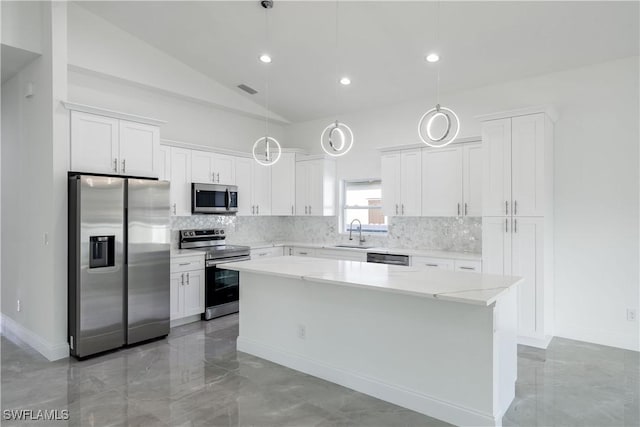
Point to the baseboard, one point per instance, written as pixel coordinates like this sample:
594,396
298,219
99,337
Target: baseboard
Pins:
601,337
184,320
542,343
16,332
428,405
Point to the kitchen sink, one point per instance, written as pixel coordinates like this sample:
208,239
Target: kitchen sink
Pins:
354,246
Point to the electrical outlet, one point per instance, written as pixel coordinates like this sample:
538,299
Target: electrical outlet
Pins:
631,314
18,305
302,332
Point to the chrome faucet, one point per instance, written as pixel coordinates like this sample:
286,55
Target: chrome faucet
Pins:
361,240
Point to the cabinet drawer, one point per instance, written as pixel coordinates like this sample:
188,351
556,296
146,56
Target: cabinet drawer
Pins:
266,252
461,265
426,262
187,264
304,252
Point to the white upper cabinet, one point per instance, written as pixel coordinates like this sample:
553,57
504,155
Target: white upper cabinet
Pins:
315,187
442,181
208,167
472,175
139,146
180,189
254,187
101,144
164,163
496,142
283,185
528,165
94,143
401,183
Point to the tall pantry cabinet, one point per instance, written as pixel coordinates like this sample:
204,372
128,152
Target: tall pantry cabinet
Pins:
517,224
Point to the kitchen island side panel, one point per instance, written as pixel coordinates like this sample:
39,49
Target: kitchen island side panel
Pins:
429,355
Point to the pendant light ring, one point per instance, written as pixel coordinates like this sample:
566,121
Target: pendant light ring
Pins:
336,139
426,133
266,157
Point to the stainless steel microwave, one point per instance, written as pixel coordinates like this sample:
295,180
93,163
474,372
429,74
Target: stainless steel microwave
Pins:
214,198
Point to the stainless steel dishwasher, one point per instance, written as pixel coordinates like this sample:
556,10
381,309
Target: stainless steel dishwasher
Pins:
392,259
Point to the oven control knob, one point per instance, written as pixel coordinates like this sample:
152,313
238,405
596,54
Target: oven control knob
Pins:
221,231
192,233
216,231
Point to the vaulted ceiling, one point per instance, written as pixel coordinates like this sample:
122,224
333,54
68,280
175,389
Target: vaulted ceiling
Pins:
381,45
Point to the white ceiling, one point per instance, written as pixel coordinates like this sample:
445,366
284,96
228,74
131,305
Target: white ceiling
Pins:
382,45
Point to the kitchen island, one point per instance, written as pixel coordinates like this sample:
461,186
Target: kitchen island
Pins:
438,342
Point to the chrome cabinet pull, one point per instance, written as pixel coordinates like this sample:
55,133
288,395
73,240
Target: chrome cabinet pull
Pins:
506,207
218,175
182,282
396,209
309,209
431,265
253,210
185,263
290,251
262,254
305,209
187,278
466,209
466,268
515,225
115,164
515,207
174,209
458,209
213,177
124,169
403,209
506,225
291,209
257,209
303,253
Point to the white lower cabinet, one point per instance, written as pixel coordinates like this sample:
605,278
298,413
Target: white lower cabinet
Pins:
344,255
187,287
303,252
267,252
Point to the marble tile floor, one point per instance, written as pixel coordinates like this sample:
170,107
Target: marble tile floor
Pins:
196,377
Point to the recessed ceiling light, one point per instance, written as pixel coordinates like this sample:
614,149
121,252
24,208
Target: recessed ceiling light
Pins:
345,81
433,57
265,58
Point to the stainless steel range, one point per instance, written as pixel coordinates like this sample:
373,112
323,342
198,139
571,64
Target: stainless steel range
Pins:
221,286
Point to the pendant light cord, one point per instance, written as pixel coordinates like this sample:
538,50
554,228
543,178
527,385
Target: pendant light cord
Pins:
337,55
438,47
266,83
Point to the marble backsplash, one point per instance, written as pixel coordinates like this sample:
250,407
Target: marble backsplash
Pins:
437,233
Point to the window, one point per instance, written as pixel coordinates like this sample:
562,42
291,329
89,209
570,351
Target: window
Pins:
362,200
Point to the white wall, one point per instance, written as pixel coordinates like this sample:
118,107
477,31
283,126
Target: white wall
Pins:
596,181
21,25
97,45
32,202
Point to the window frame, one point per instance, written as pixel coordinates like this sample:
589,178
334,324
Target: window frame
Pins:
343,206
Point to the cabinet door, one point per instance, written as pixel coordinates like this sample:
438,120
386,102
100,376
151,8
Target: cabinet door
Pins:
224,168
410,183
302,188
193,292
244,181
315,182
442,182
202,167
175,296
163,163
527,262
472,179
262,189
283,185
180,181
94,143
390,175
304,252
496,245
496,182
139,144
527,173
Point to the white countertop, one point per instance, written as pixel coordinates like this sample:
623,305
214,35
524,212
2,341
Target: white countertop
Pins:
183,253
470,288
467,256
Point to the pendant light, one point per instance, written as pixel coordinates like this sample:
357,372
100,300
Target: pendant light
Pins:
427,122
337,138
266,150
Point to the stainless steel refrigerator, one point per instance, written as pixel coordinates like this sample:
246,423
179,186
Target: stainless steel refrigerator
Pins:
119,243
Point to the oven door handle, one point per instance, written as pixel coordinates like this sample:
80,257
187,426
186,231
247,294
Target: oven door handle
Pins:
214,262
